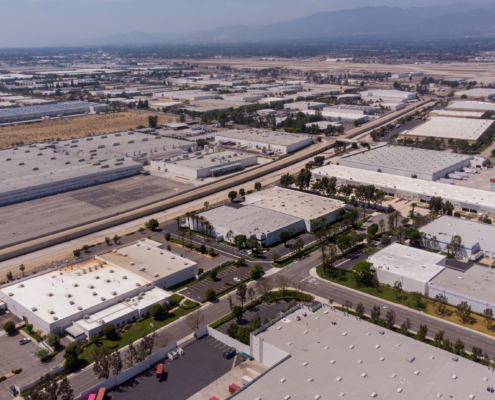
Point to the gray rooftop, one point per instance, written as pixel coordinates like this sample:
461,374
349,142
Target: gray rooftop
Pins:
405,158
352,359
269,137
451,128
472,105
47,107
201,160
250,219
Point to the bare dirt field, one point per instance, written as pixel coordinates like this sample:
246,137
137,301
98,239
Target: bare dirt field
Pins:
74,127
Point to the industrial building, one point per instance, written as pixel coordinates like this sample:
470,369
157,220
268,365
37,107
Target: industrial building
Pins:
475,286
480,106
50,110
83,298
327,354
456,114
266,225
322,125
340,115
204,164
314,210
29,172
304,105
389,94
412,267
477,93
353,109
447,128
429,165
187,95
477,237
272,100
265,141
463,198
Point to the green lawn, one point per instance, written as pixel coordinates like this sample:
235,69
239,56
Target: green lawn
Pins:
384,292
134,333
33,334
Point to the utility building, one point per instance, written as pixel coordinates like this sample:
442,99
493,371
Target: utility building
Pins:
412,267
407,161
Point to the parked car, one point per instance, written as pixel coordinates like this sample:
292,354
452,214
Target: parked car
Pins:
237,279
24,341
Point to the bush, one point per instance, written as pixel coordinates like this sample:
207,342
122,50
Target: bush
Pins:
167,236
54,341
241,262
385,240
152,224
200,271
109,331
42,354
128,326
17,371
257,272
210,294
176,299
457,214
156,310
112,345
202,249
70,364
29,327
9,327
188,304
140,319
212,252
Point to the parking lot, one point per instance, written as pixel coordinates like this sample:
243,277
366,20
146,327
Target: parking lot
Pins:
264,311
201,365
13,356
223,280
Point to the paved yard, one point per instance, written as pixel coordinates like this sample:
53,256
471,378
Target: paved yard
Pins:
201,365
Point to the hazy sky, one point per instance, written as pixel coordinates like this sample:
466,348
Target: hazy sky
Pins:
57,22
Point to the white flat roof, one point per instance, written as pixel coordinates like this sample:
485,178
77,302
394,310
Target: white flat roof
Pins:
472,105
408,262
269,137
462,114
323,365
210,160
447,128
477,92
295,203
401,183
49,292
151,256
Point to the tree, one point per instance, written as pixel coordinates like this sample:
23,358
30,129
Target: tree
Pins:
116,363
375,314
76,252
253,244
152,224
65,391
448,207
417,296
243,335
283,283
73,350
390,319
477,352
166,308
360,310
287,180
109,331
257,272
241,293
240,241
251,293
459,346
156,310
51,391
441,303
232,330
149,343
195,320
422,332
152,121
348,305
363,270
54,341
237,312
213,274
344,242
70,364
131,356
405,326
454,245
206,205
116,239
9,328
255,323
241,262
232,195
210,294
397,289
10,276
385,240
22,268
242,192
351,216
373,229
488,314
107,240
436,204
463,311
284,237
276,257
101,365
257,186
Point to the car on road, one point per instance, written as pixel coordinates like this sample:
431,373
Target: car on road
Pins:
24,341
237,279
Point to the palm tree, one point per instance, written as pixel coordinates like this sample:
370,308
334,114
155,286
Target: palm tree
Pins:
190,235
324,259
399,231
22,268
181,233
177,219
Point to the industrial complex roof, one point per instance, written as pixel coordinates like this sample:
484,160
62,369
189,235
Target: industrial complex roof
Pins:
471,232
449,128
147,259
251,219
430,188
458,114
477,92
202,160
295,203
405,158
70,290
47,107
269,137
472,105
409,262
476,282
334,355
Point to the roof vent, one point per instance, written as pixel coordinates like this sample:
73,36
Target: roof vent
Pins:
55,318
156,275
79,308
111,271
68,295
51,312
114,293
49,294
102,299
338,379
332,362
138,284
399,390
410,359
71,303
282,380
34,309
21,285
95,294
142,269
373,394
75,285
86,317
124,277
91,287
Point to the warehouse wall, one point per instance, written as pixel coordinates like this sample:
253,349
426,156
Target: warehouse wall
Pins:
408,284
455,298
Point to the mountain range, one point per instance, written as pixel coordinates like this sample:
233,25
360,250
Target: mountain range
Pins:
457,20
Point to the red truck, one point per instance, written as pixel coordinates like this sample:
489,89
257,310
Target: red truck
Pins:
159,372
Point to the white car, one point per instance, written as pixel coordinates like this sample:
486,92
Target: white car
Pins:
24,341
237,279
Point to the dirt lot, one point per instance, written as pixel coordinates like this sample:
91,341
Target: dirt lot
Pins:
74,127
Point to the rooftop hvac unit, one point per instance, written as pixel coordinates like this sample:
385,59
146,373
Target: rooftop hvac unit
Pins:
172,257
86,317
124,254
51,312
108,280
128,299
49,294
138,284
102,299
114,293
142,269
131,263
124,277
68,295
79,308
95,294
91,287
156,275
71,303
11,294
34,309
97,277
75,285
55,318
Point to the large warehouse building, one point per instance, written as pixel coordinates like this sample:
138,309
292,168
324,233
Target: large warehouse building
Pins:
205,165
265,140
388,94
475,286
447,128
477,93
477,237
407,161
465,199
50,110
326,354
480,106
29,173
111,289
412,267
